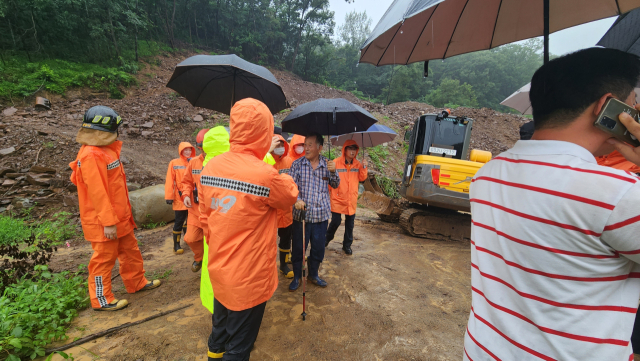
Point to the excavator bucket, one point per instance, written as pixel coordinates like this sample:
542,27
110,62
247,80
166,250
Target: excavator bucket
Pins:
374,198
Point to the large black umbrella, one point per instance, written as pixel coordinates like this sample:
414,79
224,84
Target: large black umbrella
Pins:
624,34
216,82
328,117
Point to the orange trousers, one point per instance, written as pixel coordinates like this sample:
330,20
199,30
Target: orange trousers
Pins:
193,238
105,253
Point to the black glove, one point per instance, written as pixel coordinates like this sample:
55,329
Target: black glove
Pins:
169,201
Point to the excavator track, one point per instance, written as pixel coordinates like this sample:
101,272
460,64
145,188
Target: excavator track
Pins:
437,224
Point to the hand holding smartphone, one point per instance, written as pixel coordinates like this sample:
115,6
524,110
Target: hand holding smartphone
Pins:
626,119
609,121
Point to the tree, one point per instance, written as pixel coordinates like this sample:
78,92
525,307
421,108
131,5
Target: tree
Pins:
451,94
355,30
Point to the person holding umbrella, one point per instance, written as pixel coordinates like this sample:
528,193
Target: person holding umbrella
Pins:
313,174
344,199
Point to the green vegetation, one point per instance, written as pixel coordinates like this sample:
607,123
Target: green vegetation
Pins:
20,78
152,225
36,310
378,154
388,186
159,275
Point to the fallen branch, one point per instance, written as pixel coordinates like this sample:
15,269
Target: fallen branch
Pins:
37,156
112,330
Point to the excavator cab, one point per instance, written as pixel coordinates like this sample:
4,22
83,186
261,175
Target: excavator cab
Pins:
438,170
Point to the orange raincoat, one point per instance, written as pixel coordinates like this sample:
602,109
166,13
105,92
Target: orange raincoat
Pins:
344,199
241,194
296,140
283,163
617,161
104,201
191,180
175,172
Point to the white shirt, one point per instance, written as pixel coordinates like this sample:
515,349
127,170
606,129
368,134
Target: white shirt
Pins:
554,243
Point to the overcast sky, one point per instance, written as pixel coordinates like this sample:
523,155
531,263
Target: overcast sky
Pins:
561,42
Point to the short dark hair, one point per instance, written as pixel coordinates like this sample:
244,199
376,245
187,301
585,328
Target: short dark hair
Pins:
319,138
565,87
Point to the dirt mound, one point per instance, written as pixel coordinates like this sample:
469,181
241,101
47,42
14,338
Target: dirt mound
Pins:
156,120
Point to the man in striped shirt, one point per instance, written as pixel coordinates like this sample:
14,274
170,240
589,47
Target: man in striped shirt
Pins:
555,237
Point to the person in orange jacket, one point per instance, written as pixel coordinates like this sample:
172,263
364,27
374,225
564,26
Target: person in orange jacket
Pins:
173,191
296,147
280,152
190,185
105,211
617,161
344,199
241,194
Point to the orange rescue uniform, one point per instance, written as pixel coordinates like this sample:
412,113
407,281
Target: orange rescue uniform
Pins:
283,163
344,199
175,172
191,181
241,194
104,201
617,161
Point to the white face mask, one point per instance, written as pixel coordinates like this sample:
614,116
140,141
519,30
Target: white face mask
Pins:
299,149
278,151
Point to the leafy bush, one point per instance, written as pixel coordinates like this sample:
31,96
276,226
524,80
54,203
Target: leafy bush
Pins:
19,78
452,94
34,312
378,154
388,186
56,230
13,231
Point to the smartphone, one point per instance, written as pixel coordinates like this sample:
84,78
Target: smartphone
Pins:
608,121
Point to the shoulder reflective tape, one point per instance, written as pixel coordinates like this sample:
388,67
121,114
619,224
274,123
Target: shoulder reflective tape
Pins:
286,171
235,185
179,167
113,165
196,171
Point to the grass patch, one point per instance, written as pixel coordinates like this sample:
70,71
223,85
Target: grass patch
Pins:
36,311
152,225
378,155
21,79
159,275
388,187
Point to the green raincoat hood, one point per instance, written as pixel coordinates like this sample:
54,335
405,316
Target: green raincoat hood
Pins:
216,142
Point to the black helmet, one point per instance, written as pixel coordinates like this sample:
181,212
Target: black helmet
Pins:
101,118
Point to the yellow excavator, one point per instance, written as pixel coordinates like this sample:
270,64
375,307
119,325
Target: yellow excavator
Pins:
437,175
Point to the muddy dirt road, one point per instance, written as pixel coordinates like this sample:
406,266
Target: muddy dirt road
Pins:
397,298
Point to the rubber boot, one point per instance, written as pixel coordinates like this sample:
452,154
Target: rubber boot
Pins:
176,243
284,269
288,259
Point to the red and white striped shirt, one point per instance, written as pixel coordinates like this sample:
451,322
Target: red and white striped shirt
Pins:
554,244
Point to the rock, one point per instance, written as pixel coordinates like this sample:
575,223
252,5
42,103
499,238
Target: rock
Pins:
40,132
198,118
9,111
7,151
70,201
72,187
39,169
37,180
22,203
148,205
75,102
8,182
4,171
2,209
57,183
5,201
147,125
144,133
12,175
133,186
124,159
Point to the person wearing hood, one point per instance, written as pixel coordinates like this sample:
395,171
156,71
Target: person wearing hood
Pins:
190,185
216,142
296,147
344,199
280,152
105,211
173,191
240,195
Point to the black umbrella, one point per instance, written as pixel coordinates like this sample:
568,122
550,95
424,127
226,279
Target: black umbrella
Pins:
624,34
328,117
216,82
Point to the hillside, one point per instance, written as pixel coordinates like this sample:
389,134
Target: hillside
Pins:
156,120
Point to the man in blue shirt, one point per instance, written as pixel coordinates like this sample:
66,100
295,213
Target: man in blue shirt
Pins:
313,175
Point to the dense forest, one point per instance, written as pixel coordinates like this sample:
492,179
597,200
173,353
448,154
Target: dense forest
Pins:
296,35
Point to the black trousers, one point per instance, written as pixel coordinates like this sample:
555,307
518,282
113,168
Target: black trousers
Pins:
285,238
635,336
336,219
234,332
181,218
